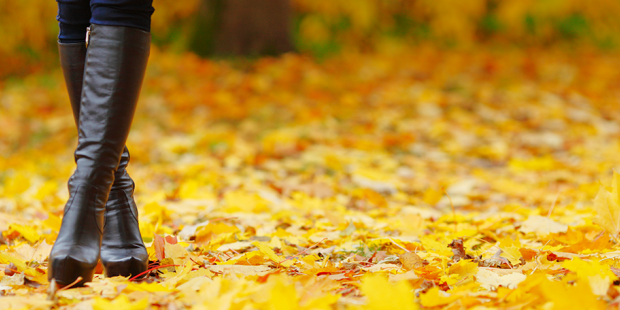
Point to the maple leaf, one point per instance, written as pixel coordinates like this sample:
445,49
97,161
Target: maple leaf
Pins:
381,294
607,207
120,303
598,275
491,280
436,297
267,251
411,260
569,296
459,250
542,225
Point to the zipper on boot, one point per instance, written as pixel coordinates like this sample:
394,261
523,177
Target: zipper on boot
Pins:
87,36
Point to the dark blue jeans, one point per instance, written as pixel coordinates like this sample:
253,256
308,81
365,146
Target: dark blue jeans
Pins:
75,15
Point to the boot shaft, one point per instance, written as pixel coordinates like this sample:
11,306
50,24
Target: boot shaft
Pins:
72,57
115,65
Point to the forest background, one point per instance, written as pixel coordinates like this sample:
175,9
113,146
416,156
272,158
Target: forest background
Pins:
321,28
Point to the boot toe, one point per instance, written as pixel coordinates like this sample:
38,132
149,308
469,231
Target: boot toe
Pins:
66,269
127,267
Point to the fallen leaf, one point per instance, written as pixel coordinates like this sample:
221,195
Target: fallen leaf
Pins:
410,260
381,294
542,225
607,207
122,302
458,250
491,280
599,276
266,250
159,245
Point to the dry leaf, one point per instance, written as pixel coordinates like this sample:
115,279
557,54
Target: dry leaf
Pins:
607,207
459,250
542,225
381,294
411,260
491,280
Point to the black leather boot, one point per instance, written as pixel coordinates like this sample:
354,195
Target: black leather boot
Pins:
122,252
72,59
113,73
122,249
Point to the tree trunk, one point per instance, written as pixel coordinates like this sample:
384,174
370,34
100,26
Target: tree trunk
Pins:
242,27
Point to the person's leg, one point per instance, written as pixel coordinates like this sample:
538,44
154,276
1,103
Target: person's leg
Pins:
127,13
115,65
122,250
74,256
120,204
73,18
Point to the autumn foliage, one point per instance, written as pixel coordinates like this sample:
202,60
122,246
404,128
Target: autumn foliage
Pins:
443,154
413,179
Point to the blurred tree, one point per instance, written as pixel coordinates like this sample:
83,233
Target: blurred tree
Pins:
28,28
242,27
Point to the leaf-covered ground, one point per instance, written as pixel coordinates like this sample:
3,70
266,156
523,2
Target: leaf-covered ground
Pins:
403,179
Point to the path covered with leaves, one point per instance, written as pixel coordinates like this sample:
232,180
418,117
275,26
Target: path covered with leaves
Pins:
403,179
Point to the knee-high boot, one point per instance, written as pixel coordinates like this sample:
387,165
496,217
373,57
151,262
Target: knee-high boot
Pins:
122,249
113,72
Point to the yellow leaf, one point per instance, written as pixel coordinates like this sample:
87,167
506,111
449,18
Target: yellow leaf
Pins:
381,294
198,273
247,256
243,201
47,189
52,222
122,302
542,225
432,196
194,189
156,212
283,294
175,250
145,287
491,280
464,268
266,250
217,228
27,232
325,302
38,252
410,260
17,185
211,230
607,207
434,297
6,258
35,275
599,276
433,246
544,163
180,274
563,296
510,248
